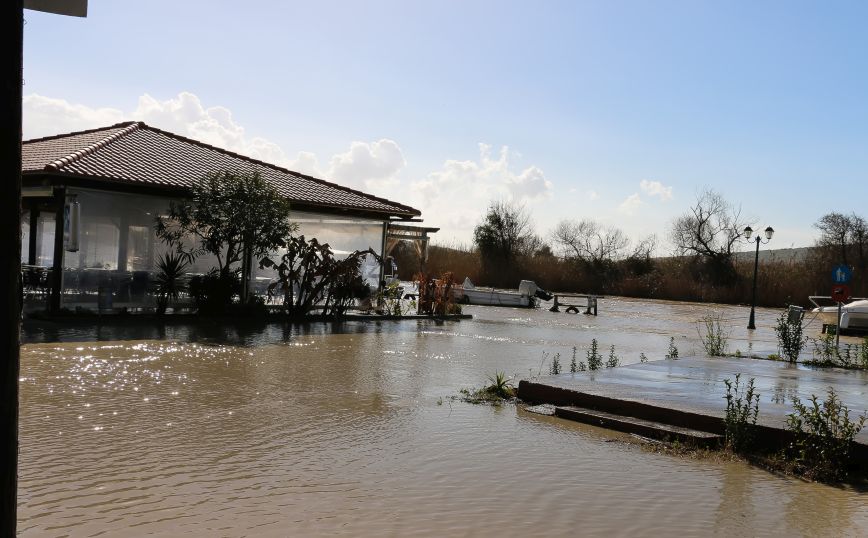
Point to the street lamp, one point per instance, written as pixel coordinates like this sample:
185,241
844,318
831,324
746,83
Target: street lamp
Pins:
748,231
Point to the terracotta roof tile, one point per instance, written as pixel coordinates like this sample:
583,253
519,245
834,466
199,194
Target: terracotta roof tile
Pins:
137,153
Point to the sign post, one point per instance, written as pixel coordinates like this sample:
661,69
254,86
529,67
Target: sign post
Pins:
841,276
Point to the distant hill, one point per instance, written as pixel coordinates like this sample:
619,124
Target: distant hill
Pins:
777,255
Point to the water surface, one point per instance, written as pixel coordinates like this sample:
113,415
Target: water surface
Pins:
350,429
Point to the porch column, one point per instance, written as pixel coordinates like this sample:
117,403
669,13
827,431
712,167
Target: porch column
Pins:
383,253
34,231
57,263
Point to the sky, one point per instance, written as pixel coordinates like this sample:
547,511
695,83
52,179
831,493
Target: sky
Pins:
619,111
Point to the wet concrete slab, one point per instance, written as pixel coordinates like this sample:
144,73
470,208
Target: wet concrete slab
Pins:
690,392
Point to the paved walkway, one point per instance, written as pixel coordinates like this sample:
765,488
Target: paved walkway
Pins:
695,385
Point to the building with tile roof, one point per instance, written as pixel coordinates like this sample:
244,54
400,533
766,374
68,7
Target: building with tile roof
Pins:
90,200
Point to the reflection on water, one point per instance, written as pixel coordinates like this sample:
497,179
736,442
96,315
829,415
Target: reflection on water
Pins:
321,429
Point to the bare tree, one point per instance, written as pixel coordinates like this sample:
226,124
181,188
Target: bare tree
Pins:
858,237
710,229
587,240
644,248
844,234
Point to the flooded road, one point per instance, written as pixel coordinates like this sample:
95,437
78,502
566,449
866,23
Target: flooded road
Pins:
351,430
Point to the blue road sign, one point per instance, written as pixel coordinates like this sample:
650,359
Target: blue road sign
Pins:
842,274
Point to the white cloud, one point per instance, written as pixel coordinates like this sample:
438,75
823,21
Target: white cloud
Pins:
655,188
45,116
455,196
368,165
185,115
306,162
631,204
592,195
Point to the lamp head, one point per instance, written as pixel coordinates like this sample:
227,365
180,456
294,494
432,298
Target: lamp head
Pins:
769,233
748,231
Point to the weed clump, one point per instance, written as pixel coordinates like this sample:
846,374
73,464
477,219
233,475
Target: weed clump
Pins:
500,389
595,360
823,436
612,361
715,338
577,366
643,358
742,410
673,349
555,367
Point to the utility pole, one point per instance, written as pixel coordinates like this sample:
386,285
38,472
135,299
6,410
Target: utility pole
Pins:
12,17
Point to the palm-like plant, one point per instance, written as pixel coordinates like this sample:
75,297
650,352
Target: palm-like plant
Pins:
170,269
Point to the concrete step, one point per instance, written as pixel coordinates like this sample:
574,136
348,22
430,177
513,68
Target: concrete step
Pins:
646,428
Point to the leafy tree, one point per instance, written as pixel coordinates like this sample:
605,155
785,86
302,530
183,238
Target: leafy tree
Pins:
235,217
504,235
710,230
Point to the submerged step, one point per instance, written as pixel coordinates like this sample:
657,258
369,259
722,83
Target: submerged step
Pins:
647,428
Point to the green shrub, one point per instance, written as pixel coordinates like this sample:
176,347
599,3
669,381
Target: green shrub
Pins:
823,435
790,341
214,291
825,352
742,410
863,353
714,337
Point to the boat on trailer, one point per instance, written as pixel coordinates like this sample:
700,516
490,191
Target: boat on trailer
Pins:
854,315
526,296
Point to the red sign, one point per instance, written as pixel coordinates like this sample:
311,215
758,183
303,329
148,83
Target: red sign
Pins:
840,293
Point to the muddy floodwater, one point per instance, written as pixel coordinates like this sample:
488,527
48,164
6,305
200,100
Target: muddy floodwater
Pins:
351,429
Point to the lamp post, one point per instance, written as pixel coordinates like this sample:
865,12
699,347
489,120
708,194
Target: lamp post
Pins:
748,231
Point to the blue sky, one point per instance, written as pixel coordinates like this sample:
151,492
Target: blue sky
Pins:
618,111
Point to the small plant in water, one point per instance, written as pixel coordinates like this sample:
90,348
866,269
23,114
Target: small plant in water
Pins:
863,353
825,351
742,410
595,360
715,337
823,436
790,341
501,385
499,389
555,367
612,361
673,349
576,366
642,357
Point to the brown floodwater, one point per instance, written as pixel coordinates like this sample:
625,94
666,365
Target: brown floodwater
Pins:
350,429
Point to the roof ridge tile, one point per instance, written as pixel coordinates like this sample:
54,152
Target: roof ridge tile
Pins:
76,133
57,164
